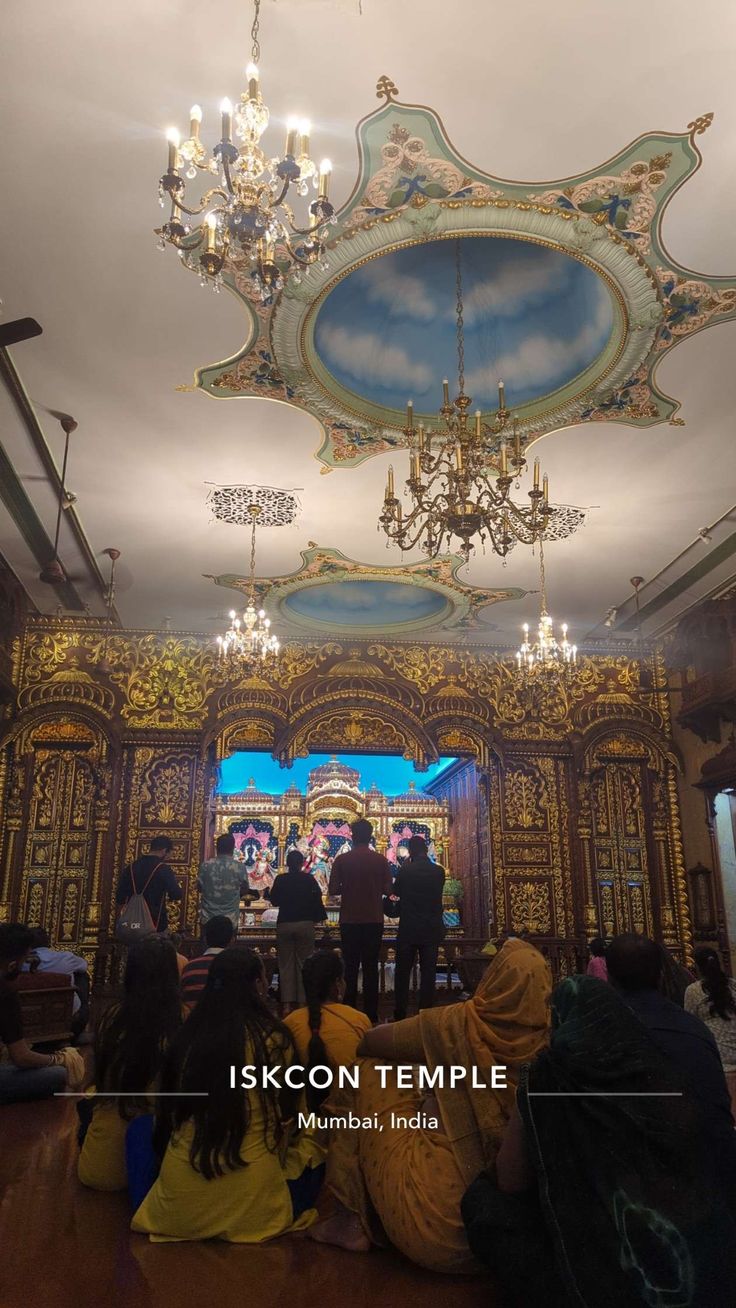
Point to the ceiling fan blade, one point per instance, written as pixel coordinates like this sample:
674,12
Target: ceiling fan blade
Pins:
21,329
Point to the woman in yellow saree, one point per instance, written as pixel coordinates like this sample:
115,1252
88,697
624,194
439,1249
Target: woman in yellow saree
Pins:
405,1185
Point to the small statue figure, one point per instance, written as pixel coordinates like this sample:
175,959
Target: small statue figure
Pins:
260,876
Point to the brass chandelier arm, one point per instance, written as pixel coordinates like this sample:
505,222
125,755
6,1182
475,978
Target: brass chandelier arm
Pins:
193,213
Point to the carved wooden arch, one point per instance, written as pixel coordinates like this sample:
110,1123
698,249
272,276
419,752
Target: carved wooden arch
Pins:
343,720
462,733
22,727
586,743
256,727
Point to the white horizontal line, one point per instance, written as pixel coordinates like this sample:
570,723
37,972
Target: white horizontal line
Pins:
604,1094
132,1094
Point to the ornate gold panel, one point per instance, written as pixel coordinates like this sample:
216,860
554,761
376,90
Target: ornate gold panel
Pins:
59,852
620,855
532,858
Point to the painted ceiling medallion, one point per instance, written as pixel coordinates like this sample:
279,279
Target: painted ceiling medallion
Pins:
572,297
333,593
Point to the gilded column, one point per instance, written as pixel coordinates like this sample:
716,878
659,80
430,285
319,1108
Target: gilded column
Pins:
585,835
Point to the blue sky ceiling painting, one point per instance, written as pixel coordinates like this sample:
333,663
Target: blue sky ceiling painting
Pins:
534,318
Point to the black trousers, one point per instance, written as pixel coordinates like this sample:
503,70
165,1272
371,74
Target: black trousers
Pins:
361,948
406,952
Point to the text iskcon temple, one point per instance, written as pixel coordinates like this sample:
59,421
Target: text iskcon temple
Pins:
368,655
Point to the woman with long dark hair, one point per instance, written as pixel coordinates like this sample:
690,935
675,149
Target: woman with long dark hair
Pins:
713,1000
234,1166
130,1041
326,1032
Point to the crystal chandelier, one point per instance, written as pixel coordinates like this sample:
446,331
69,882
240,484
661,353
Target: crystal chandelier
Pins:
248,228
545,658
461,474
250,641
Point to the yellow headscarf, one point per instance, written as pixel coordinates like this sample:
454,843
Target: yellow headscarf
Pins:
505,1023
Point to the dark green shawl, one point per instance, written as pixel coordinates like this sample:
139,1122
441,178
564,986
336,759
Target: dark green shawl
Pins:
627,1188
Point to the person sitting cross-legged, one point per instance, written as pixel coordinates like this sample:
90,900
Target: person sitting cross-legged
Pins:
234,1165
218,934
26,1074
326,1031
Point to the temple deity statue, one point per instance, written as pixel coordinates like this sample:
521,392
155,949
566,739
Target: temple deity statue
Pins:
260,875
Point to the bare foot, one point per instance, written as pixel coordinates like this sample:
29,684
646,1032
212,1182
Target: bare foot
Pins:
342,1229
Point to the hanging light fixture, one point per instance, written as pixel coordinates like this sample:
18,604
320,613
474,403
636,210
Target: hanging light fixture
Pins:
546,658
249,640
461,474
245,223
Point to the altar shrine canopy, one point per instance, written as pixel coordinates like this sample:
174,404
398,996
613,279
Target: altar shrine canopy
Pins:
317,821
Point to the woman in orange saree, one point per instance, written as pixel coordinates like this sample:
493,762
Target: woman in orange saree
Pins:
403,1185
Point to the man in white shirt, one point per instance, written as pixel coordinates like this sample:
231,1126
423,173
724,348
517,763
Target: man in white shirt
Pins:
59,960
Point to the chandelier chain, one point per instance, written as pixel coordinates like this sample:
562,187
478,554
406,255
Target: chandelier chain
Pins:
460,319
253,559
542,575
255,47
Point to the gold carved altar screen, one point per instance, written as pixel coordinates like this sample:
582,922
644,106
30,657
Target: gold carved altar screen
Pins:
563,810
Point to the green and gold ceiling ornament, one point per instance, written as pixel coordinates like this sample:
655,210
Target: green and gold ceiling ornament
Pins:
572,298
331,592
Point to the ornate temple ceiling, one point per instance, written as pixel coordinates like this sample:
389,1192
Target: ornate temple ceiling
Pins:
578,288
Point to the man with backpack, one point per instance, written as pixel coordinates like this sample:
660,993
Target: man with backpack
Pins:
144,888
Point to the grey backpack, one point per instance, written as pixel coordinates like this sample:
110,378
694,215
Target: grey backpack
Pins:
135,921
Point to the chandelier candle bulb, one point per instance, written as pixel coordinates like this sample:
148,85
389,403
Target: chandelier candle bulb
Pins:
173,138
325,172
251,73
536,474
292,127
410,414
517,444
545,488
226,111
211,225
305,128
390,482
504,460
459,457
445,392
195,118
501,396
478,430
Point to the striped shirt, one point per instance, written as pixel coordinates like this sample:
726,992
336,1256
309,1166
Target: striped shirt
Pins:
194,976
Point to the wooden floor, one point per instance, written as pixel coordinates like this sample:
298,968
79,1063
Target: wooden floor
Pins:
62,1246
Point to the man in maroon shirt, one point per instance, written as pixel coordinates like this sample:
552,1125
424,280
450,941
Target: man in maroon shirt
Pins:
361,879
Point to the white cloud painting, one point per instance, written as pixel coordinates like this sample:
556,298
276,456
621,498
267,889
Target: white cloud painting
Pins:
534,318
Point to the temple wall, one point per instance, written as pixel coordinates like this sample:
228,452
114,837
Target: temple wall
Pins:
566,815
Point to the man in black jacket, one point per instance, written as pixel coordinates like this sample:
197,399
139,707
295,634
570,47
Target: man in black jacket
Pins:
151,877
418,887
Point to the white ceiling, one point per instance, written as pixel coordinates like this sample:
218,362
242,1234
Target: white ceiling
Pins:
527,91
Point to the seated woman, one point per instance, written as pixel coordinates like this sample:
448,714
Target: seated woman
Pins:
404,1184
326,1032
604,1193
233,1165
129,1045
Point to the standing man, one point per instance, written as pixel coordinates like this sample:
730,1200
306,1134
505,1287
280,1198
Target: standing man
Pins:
361,879
151,877
418,887
221,882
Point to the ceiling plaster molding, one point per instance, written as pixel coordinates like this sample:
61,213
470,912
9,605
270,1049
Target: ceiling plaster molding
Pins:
413,186
320,566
